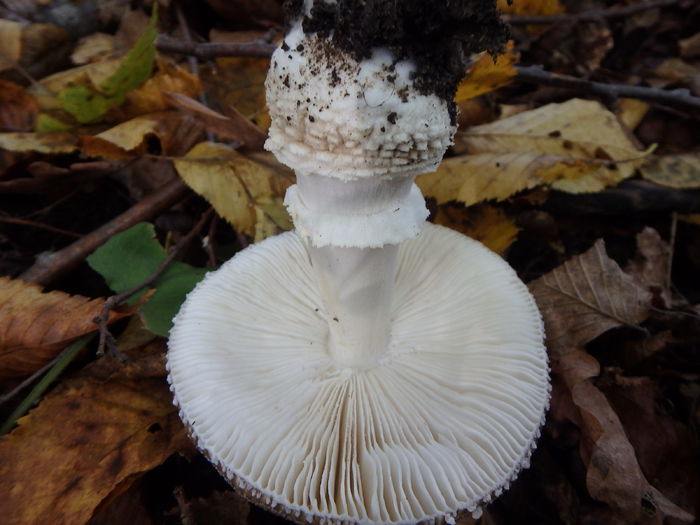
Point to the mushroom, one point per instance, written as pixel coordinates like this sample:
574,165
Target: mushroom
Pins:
367,367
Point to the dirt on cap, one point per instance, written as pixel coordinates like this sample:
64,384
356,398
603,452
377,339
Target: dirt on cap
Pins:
437,35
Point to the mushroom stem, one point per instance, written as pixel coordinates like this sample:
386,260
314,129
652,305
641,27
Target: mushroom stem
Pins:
356,286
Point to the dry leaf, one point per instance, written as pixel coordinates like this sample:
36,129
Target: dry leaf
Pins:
36,326
238,128
632,111
51,143
586,296
92,434
613,474
530,7
577,146
487,224
10,43
129,138
92,48
248,194
239,83
673,171
18,109
487,74
650,265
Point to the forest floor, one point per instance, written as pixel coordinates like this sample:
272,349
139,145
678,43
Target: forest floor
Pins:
131,163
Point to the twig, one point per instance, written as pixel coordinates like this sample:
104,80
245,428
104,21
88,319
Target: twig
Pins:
50,267
40,226
106,338
677,98
209,50
593,14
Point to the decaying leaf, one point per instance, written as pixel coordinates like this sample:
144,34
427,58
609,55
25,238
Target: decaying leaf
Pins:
36,326
650,265
10,43
18,109
577,146
51,143
487,224
239,83
95,432
586,296
673,171
130,138
613,474
246,193
530,7
487,74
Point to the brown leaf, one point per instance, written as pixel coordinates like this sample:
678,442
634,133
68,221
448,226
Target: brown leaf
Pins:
613,474
650,265
36,326
586,296
92,434
237,128
18,109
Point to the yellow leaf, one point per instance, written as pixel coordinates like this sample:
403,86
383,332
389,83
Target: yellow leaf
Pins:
60,142
577,147
128,139
10,43
531,7
674,171
487,224
248,194
487,74
92,434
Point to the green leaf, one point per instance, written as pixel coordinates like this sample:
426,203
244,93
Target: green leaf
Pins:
45,123
131,257
88,103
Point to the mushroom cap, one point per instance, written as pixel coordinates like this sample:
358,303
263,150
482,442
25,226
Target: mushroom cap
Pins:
443,423
337,117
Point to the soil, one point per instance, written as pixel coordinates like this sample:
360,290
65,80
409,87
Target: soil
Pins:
438,35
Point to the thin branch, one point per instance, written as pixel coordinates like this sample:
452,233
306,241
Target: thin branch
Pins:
677,98
209,50
587,16
49,268
106,338
40,226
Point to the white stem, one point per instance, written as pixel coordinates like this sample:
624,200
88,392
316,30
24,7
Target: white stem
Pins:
356,285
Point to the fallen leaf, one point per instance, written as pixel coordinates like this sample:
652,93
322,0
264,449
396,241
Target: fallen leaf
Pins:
10,43
690,47
91,434
130,138
487,224
586,296
247,193
530,7
18,109
92,48
131,257
577,147
487,74
36,326
650,265
240,83
220,507
239,128
631,112
51,143
673,171
613,474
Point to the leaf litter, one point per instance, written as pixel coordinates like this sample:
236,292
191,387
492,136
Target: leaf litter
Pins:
617,286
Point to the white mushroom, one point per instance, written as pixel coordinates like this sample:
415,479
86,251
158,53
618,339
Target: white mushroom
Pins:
442,421
366,368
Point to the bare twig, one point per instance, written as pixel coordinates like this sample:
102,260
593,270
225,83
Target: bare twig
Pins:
677,98
50,267
40,226
106,338
593,14
209,50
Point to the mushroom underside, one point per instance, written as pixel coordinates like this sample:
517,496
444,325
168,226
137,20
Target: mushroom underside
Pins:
443,422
